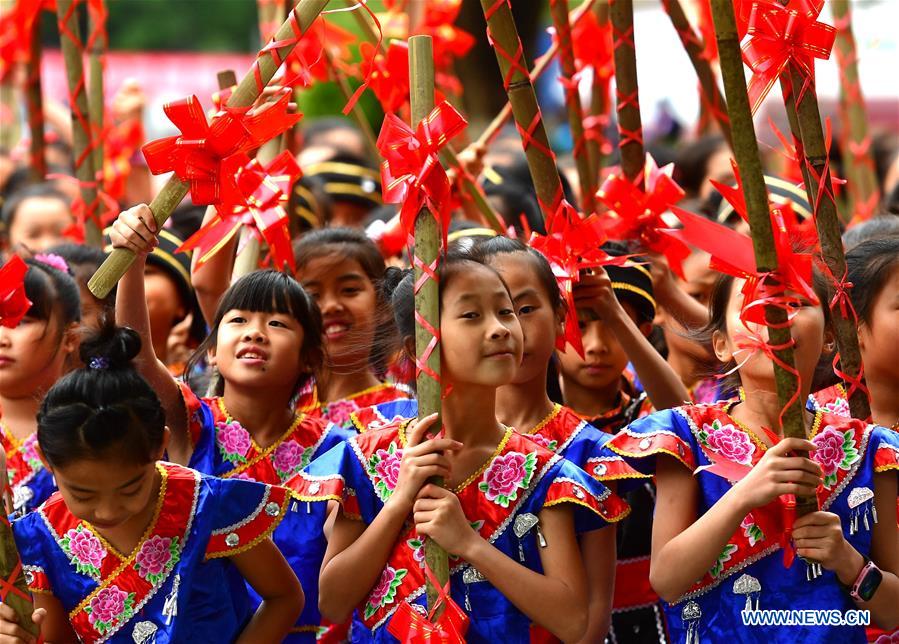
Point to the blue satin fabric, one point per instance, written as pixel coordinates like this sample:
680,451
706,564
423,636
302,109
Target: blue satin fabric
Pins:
212,601
782,588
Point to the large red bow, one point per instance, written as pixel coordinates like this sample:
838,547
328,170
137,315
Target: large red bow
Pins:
208,155
14,304
450,42
16,31
638,212
411,173
307,62
265,191
592,45
572,244
779,34
386,74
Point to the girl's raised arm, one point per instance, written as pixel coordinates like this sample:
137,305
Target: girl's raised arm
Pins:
212,279
135,229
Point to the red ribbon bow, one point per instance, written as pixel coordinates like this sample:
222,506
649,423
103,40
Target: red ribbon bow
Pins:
571,245
307,62
14,304
779,34
450,42
386,74
16,31
638,212
592,45
411,173
208,155
265,191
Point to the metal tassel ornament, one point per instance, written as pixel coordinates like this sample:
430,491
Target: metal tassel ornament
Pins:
690,614
170,607
751,587
523,524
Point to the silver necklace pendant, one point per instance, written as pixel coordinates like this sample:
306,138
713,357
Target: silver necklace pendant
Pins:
751,587
691,614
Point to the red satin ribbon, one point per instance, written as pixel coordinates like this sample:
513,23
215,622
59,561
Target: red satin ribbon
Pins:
779,35
16,31
307,62
387,75
411,173
208,155
411,627
637,213
14,304
265,191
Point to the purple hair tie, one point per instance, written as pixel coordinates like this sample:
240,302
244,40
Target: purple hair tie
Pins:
54,260
98,362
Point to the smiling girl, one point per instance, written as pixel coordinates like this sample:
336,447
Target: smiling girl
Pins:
510,510
133,549
265,341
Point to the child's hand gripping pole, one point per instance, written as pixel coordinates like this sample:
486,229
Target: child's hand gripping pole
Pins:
13,586
264,67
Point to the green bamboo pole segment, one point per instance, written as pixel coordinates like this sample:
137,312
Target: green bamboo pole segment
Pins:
747,155
10,131
34,101
541,161
427,299
10,561
827,222
864,191
630,128
96,52
694,47
587,179
173,192
81,136
599,99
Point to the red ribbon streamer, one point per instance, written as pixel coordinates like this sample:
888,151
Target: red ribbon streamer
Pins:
208,155
14,304
779,35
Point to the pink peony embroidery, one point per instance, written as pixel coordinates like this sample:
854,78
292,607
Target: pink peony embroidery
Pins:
834,450
338,412
156,557
730,442
384,468
233,440
85,549
544,442
384,591
109,606
506,475
838,407
30,454
288,459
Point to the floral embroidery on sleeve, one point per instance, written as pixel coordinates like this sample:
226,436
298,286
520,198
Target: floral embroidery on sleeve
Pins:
384,468
835,450
506,475
84,549
723,558
156,558
384,592
109,607
417,545
751,530
727,440
233,441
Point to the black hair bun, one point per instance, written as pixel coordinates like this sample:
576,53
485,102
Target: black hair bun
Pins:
391,280
111,347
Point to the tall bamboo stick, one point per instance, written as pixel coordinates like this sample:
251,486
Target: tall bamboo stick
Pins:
693,45
71,44
34,100
586,177
864,192
599,103
96,45
817,175
16,598
503,34
756,195
427,299
630,128
174,190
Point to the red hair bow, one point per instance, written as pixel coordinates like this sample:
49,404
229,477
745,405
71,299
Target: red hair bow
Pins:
572,244
637,213
265,191
411,173
209,154
779,34
14,304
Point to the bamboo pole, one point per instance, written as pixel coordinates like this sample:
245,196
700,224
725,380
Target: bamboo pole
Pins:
864,191
174,190
820,192
70,42
10,131
586,177
97,44
756,195
11,566
427,298
693,45
540,65
599,103
541,161
630,128
34,101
